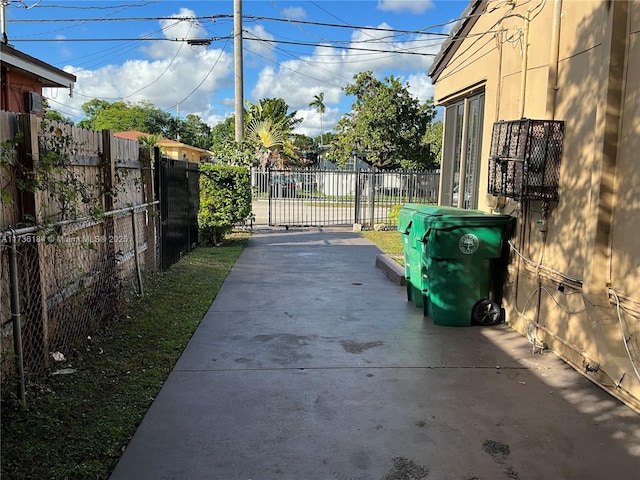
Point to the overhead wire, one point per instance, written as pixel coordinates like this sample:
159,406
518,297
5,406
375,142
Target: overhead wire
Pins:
470,59
422,31
95,7
362,30
208,73
350,45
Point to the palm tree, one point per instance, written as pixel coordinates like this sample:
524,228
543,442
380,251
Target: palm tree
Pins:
269,128
268,139
318,104
149,142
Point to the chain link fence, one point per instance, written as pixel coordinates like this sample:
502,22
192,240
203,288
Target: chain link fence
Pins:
79,229
62,283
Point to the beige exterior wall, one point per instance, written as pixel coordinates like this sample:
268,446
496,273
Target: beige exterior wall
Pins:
592,242
181,151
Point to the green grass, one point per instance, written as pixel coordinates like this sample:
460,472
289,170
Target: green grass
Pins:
76,426
389,241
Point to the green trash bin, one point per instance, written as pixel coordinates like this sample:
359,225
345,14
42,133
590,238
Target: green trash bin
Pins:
462,264
412,255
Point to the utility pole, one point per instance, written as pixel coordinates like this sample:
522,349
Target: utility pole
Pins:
237,54
177,121
3,21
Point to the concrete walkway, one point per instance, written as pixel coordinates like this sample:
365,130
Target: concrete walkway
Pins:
311,364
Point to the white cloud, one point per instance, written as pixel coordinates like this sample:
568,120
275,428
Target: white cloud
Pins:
399,6
311,121
329,69
258,50
420,86
163,82
294,13
175,73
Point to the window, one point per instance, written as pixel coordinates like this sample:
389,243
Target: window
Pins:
462,149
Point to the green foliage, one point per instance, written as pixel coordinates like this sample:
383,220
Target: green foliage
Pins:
225,200
269,128
318,104
193,131
122,116
77,426
392,217
433,137
66,192
225,148
69,194
268,136
306,147
386,126
7,164
53,115
144,116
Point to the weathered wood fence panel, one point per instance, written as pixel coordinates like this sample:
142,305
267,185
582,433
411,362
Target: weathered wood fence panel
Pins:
82,233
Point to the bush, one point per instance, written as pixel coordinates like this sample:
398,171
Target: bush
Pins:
392,218
225,200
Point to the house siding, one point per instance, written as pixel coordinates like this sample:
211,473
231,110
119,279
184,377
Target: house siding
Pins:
591,246
15,85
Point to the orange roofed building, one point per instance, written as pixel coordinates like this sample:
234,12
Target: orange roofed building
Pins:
171,148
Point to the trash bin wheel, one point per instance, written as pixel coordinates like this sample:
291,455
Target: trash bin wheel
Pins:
486,313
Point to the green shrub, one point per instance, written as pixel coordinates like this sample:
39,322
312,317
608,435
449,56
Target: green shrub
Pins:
393,214
225,200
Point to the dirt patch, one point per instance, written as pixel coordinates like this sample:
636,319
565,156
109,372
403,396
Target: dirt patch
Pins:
499,452
352,346
405,469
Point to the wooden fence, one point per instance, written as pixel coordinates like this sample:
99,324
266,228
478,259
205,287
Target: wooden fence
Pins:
79,217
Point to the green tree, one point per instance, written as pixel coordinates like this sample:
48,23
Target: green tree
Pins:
121,116
268,138
53,115
225,148
307,148
318,104
193,131
433,137
386,126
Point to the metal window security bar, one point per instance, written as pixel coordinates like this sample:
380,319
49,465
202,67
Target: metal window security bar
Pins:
67,279
337,197
525,156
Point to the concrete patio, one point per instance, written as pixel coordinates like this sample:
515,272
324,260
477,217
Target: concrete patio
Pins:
311,365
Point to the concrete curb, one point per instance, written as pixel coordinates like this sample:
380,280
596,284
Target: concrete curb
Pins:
392,269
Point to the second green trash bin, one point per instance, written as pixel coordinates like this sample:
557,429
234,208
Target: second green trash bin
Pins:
412,256
461,256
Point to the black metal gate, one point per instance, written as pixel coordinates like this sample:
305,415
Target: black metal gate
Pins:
178,190
337,197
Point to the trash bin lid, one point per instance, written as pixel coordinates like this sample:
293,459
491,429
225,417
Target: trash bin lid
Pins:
442,210
442,217
405,216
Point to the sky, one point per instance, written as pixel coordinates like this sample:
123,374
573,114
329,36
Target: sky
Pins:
145,50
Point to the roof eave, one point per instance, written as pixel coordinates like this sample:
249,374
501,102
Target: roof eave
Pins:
450,46
49,75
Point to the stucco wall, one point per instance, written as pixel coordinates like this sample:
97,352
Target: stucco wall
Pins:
590,248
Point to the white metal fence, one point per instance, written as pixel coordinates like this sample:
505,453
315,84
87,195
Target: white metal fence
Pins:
337,197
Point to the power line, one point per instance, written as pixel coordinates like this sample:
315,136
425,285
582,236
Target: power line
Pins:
194,41
206,41
309,44
421,31
84,7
